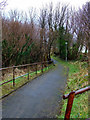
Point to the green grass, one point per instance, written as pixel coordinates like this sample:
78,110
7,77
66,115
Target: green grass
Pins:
80,107
72,68
76,80
8,87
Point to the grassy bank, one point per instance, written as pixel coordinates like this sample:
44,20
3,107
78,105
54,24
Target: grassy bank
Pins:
8,87
77,78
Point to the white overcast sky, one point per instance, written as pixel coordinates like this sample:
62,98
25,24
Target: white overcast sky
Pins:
26,4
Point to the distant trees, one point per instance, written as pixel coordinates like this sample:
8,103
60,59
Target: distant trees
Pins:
61,28
80,27
85,22
28,38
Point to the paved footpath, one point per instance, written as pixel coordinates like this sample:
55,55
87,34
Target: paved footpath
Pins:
41,98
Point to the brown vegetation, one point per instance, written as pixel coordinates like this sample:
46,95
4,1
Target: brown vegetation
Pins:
28,38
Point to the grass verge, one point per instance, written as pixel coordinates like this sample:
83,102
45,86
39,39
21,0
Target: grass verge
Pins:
77,79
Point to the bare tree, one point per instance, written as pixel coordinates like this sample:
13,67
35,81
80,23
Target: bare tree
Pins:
81,27
50,31
3,4
42,23
85,21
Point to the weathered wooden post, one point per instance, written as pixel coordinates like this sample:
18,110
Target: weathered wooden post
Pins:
13,76
70,97
69,105
28,72
42,67
48,64
36,68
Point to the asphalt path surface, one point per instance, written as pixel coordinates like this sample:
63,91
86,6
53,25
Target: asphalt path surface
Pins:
41,98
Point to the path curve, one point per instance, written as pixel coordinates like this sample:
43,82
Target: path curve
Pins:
41,98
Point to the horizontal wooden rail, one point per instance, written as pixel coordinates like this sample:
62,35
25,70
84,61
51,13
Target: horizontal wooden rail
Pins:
77,92
70,97
12,79
24,65
6,82
27,65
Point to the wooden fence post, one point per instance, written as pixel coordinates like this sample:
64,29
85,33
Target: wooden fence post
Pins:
36,69
42,67
47,64
13,76
69,105
28,72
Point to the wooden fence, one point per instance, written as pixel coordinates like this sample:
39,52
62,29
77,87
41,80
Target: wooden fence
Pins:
43,64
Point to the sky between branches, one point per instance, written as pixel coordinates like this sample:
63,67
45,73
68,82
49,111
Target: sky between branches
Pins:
26,4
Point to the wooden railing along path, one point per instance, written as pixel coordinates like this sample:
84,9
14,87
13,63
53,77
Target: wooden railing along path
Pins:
43,64
70,97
